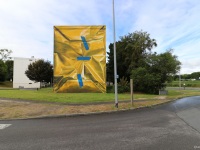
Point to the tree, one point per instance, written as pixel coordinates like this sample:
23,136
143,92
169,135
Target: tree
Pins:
40,71
195,75
9,64
157,70
132,49
145,81
4,54
3,71
185,76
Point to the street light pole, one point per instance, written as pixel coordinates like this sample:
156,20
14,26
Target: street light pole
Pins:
179,79
115,62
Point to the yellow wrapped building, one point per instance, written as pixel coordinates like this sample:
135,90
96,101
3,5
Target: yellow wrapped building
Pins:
79,59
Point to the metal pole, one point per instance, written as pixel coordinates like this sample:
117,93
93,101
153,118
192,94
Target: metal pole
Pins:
131,84
179,80
115,62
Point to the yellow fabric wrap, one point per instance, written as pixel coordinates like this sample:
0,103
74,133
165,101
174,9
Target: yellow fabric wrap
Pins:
79,59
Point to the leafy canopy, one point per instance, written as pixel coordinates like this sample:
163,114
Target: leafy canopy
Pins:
9,64
40,71
157,70
131,51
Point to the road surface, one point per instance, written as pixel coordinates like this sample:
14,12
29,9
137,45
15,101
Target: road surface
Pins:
172,126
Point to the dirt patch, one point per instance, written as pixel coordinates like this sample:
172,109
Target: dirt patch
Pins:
162,97
10,109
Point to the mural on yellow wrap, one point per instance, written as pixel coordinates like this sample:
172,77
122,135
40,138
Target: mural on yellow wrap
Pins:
79,59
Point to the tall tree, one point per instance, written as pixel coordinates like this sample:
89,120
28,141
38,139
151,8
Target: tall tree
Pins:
131,51
137,46
157,70
195,75
40,71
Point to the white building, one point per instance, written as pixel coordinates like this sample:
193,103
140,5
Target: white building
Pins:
20,80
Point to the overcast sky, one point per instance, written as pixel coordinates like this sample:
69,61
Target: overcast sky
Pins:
26,26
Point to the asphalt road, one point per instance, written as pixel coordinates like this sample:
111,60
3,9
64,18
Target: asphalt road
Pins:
172,126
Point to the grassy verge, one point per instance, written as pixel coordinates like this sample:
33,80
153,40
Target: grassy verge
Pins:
189,83
27,109
47,95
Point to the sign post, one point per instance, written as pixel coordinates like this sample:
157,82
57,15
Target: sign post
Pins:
131,87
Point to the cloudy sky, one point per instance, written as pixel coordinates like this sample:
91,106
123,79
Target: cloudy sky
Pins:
26,26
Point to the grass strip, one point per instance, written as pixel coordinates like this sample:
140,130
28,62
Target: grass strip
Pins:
47,95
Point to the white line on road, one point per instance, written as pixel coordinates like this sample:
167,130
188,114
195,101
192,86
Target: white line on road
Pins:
3,126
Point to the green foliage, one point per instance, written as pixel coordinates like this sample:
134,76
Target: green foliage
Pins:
187,76
40,71
9,64
109,89
149,71
3,71
131,51
145,81
195,75
158,70
187,83
123,86
123,89
123,81
4,55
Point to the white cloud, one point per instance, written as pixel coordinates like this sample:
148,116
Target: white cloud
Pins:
27,25
174,25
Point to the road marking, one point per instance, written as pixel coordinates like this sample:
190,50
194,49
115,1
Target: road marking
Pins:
3,126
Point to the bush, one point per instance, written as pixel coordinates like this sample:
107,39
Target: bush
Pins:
123,85
109,89
121,89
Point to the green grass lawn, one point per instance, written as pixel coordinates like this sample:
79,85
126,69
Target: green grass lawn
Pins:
47,95
189,83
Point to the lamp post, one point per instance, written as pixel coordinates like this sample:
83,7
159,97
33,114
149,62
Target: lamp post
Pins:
115,62
179,79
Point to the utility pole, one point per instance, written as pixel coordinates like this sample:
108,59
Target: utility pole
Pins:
179,79
115,62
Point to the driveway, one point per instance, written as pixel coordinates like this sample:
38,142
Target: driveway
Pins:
171,126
